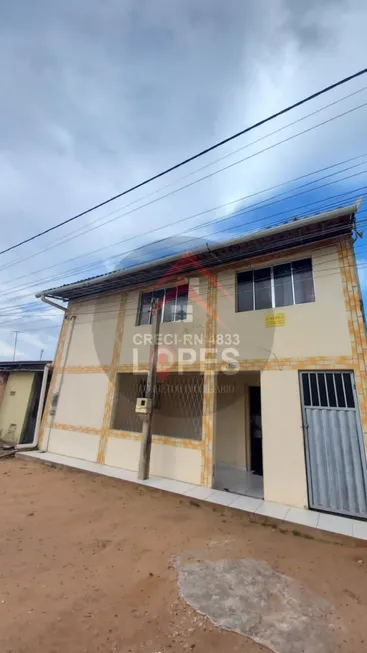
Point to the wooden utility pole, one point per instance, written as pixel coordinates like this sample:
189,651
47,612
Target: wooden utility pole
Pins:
146,438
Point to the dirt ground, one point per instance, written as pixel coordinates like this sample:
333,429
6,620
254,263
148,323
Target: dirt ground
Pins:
86,565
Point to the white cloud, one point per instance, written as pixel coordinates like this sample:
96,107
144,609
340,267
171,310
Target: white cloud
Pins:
7,351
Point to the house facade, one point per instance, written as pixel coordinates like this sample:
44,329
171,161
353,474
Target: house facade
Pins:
20,389
261,385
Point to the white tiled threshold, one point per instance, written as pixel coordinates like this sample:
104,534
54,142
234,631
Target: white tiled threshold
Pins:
313,519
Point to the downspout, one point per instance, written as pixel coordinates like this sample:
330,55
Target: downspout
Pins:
41,403
57,389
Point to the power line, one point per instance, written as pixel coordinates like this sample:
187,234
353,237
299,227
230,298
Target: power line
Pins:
266,149
101,222
323,206
112,314
95,264
294,241
263,219
193,157
255,206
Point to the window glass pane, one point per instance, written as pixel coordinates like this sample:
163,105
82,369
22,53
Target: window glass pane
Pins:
331,390
262,288
283,285
314,391
348,389
245,291
339,390
145,306
169,305
322,389
306,390
303,281
181,305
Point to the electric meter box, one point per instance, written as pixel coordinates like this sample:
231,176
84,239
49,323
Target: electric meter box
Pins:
143,406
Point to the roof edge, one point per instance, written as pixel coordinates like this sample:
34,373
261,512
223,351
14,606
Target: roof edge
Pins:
293,224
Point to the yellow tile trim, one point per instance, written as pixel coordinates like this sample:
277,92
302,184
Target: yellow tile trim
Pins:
142,368
158,439
112,381
77,429
250,364
209,395
311,362
356,326
57,360
84,369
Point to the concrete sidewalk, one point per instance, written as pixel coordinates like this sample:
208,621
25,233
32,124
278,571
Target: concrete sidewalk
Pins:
311,518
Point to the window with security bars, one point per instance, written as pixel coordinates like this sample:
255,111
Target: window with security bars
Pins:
328,389
276,286
178,404
171,301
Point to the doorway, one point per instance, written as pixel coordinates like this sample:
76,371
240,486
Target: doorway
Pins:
256,447
29,424
238,443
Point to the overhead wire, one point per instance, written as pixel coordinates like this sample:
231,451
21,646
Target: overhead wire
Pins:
189,159
81,231
265,203
290,243
324,206
206,177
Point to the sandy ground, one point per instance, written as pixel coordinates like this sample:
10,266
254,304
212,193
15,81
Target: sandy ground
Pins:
86,565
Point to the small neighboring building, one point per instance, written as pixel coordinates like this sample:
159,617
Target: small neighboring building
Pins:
20,383
262,366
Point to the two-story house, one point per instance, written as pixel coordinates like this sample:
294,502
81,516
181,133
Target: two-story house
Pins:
261,384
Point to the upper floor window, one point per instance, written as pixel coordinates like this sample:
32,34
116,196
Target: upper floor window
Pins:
279,285
172,302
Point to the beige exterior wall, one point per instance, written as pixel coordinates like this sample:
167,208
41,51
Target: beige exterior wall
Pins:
319,328
81,400
169,461
93,331
74,444
283,448
13,408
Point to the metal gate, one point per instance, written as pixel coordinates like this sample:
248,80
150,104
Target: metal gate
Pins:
335,450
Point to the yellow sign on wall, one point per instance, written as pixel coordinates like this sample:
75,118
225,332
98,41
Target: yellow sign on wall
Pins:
275,320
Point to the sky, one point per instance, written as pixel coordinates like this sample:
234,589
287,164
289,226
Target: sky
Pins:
97,96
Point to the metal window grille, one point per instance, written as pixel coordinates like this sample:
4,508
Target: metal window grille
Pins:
178,405
328,389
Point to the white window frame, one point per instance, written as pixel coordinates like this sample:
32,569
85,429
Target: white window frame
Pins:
138,316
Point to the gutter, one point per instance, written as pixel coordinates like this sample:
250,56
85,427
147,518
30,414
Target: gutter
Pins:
321,217
48,301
